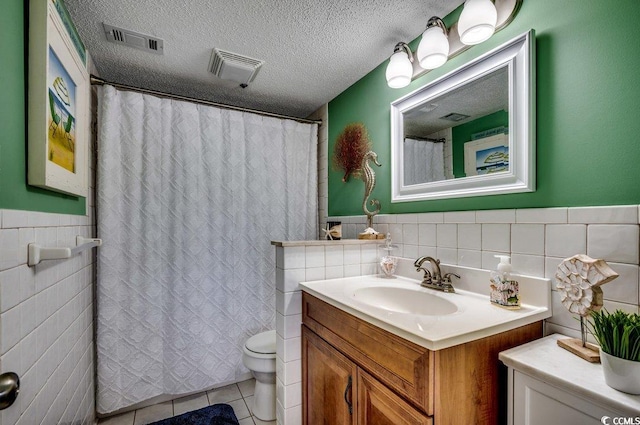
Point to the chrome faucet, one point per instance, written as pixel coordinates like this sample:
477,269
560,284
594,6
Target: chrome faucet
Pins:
429,277
434,279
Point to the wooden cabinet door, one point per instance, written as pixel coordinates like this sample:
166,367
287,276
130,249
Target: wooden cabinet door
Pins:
401,365
328,382
377,405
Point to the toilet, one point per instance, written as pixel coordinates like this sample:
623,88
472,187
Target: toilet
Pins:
259,356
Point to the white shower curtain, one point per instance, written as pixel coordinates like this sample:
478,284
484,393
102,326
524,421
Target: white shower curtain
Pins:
189,198
423,161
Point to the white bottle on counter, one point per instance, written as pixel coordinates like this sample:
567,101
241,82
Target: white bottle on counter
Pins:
504,291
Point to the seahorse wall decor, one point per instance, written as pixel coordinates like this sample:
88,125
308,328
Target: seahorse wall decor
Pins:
369,178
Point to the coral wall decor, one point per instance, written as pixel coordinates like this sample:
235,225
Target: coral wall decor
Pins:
351,146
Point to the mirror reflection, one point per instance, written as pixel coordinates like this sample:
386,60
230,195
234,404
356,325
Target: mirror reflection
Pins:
461,133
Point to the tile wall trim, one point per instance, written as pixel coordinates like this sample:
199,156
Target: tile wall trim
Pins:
46,319
298,262
537,240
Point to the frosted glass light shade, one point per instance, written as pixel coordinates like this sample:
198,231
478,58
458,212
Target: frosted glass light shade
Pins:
433,49
399,70
477,21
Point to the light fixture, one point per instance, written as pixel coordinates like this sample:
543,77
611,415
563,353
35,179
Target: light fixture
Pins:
477,21
433,49
400,68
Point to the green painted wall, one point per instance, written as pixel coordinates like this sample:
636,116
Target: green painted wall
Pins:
588,101
14,191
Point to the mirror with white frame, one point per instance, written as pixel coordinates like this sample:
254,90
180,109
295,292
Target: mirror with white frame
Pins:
470,132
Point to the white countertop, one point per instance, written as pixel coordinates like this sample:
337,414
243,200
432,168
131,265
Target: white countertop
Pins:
545,361
476,317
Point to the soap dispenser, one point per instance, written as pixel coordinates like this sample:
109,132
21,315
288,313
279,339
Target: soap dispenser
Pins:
504,290
388,262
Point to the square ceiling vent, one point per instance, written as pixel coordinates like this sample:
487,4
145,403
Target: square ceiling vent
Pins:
455,117
134,39
234,67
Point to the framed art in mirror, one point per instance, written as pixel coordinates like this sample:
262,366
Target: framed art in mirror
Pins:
58,119
487,155
471,132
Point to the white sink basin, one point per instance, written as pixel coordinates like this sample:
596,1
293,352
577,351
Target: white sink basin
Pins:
403,300
434,319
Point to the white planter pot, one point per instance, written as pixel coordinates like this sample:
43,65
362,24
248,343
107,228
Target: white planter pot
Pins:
620,374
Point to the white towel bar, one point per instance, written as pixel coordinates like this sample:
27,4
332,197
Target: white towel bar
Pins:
38,253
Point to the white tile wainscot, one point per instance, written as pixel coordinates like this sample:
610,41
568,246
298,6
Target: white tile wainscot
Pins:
537,239
299,261
46,319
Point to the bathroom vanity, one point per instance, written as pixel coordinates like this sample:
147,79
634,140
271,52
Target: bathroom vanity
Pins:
360,366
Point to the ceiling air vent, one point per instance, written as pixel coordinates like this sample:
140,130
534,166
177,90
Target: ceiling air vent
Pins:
235,67
134,39
454,116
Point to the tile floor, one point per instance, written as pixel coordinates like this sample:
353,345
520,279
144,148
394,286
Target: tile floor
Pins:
239,396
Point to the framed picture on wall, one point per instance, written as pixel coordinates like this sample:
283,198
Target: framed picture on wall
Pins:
58,111
487,155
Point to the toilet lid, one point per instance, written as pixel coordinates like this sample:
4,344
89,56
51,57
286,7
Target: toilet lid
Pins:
262,343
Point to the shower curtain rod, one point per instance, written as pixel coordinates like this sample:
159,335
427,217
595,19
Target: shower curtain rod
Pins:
425,139
97,81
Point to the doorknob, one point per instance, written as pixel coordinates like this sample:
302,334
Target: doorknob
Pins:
9,389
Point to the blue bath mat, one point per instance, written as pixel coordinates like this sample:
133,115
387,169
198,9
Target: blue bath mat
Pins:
218,414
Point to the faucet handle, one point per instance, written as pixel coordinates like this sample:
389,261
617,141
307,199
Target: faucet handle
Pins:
447,277
427,274
446,282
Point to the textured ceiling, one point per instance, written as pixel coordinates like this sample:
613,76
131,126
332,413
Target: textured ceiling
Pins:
313,50
476,99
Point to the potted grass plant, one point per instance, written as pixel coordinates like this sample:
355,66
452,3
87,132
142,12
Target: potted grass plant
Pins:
618,334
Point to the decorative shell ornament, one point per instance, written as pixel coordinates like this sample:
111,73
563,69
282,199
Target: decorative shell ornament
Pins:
578,279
